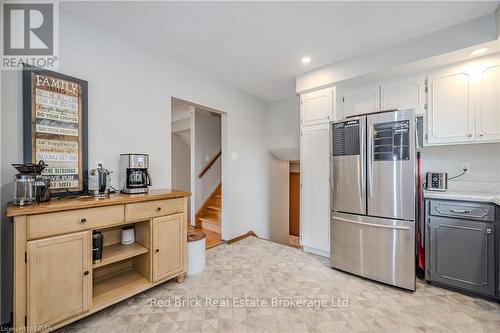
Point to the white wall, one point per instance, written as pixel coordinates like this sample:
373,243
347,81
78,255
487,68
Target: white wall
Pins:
497,16
130,91
279,212
283,128
207,136
484,160
181,165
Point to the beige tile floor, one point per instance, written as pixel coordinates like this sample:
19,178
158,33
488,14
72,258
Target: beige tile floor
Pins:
254,269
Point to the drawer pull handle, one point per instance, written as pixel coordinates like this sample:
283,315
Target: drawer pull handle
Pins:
488,231
86,273
157,250
450,211
158,209
459,211
83,220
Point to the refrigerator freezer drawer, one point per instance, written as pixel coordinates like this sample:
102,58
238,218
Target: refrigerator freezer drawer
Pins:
378,249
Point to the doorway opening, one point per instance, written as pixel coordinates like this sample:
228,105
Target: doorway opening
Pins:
294,204
196,140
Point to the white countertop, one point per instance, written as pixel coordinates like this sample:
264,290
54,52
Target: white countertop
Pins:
468,191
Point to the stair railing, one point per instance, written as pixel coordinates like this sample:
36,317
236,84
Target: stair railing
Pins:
209,165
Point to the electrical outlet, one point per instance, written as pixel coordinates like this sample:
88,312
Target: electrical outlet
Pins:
465,166
207,158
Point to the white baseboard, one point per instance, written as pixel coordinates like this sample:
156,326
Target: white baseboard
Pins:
313,250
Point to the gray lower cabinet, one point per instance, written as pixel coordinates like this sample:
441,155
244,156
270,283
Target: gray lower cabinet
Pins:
498,250
461,251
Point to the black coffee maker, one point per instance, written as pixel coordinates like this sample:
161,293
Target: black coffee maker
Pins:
31,186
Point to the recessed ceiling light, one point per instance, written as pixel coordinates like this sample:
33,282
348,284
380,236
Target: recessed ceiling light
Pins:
306,60
479,51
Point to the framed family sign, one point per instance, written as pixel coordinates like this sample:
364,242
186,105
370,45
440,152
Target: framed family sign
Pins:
55,128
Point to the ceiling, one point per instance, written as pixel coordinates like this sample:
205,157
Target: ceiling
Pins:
257,46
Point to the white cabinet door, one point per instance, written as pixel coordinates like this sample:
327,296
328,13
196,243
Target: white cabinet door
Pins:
450,117
317,107
403,94
361,100
315,189
488,105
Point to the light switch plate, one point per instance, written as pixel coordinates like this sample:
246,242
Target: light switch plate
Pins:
234,156
207,157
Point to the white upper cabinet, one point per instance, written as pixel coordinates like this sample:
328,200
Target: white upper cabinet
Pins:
464,103
404,94
488,105
317,107
450,117
361,100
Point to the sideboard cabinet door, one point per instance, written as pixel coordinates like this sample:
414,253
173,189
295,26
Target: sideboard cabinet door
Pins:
169,243
59,278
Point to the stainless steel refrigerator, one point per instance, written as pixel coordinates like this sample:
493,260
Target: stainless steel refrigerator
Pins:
373,197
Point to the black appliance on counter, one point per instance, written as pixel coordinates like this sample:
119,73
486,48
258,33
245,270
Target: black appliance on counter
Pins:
134,173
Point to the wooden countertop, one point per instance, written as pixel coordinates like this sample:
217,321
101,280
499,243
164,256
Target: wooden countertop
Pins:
56,204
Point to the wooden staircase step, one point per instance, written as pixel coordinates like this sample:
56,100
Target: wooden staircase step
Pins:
214,207
211,223
213,239
210,219
218,196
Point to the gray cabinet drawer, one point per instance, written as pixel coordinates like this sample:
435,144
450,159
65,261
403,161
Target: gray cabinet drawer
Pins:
464,210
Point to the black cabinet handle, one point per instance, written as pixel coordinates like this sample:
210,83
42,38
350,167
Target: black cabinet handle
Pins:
158,209
86,273
83,220
157,250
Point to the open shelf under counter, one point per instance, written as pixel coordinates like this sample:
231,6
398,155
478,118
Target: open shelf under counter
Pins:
117,286
118,252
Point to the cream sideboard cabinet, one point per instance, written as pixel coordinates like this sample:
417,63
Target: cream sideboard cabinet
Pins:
55,279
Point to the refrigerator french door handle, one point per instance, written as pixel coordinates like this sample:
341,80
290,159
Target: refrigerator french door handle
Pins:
370,161
362,162
373,224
